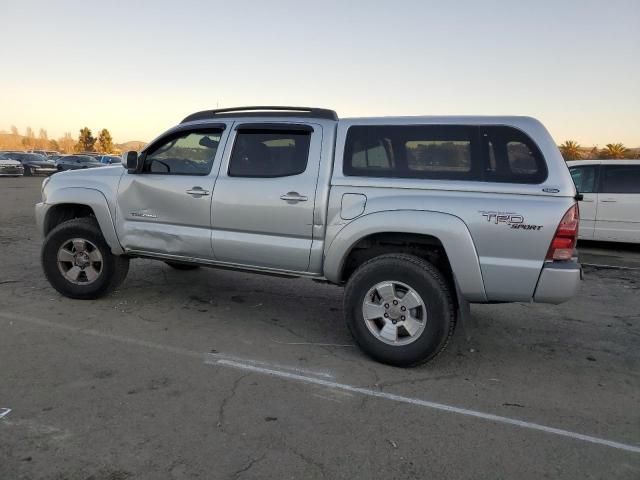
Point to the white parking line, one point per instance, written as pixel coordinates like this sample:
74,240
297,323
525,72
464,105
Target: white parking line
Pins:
255,368
4,412
215,357
428,404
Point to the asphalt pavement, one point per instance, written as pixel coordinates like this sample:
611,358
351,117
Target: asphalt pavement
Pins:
213,374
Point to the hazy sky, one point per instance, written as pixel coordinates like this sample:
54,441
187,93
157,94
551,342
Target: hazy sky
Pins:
138,67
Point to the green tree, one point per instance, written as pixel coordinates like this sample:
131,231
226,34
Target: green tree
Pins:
86,141
570,150
614,150
53,145
105,142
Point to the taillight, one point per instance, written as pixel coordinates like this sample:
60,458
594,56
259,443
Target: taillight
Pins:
564,241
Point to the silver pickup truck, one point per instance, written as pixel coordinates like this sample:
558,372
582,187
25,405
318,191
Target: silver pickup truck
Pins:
417,216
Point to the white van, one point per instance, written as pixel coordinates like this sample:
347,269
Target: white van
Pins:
610,209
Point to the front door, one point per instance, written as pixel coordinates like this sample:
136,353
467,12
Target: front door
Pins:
166,208
262,212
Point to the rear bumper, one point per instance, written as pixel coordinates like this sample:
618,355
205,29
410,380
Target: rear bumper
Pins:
559,282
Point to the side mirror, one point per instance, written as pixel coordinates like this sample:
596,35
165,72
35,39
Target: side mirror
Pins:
132,161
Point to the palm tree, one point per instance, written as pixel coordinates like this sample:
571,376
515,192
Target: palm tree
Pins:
570,150
614,150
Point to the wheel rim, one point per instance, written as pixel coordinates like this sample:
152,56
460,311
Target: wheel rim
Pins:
394,313
80,261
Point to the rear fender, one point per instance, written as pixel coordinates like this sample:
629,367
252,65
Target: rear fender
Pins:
449,229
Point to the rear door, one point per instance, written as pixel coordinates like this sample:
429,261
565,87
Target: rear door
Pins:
262,212
618,216
586,179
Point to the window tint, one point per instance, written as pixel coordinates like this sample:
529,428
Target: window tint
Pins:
420,151
511,156
621,179
183,153
269,153
584,178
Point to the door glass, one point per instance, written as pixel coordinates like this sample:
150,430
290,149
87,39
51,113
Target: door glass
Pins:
189,153
269,153
621,179
584,178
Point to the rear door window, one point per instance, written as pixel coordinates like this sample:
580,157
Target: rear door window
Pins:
270,153
621,179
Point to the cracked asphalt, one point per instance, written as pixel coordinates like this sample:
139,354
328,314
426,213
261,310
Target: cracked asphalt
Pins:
132,387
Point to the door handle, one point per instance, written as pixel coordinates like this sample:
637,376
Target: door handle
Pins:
586,201
608,200
293,197
198,192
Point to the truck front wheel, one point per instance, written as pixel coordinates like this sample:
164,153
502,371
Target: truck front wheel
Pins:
399,309
78,262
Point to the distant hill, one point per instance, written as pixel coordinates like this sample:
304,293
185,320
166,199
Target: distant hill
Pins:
130,145
10,141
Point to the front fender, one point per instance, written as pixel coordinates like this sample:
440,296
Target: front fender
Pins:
90,197
449,229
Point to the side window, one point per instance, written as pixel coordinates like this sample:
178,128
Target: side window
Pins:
375,155
445,152
584,178
183,153
511,156
621,179
267,153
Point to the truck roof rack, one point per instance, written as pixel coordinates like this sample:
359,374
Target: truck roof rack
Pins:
263,111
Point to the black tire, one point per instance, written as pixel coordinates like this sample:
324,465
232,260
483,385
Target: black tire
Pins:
114,268
28,172
428,282
183,266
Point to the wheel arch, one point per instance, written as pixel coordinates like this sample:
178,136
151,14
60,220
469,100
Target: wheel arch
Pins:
76,202
434,230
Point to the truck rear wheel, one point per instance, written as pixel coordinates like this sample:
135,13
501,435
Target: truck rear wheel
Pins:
78,262
399,309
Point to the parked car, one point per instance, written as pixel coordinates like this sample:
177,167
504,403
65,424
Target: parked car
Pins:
10,168
46,153
33,163
610,205
109,159
76,162
416,216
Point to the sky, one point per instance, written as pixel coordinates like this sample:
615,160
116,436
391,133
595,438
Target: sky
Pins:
139,67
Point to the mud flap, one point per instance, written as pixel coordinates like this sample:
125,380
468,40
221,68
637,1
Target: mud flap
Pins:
463,313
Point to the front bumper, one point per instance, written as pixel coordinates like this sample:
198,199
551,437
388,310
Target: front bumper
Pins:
41,212
44,170
558,282
11,171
